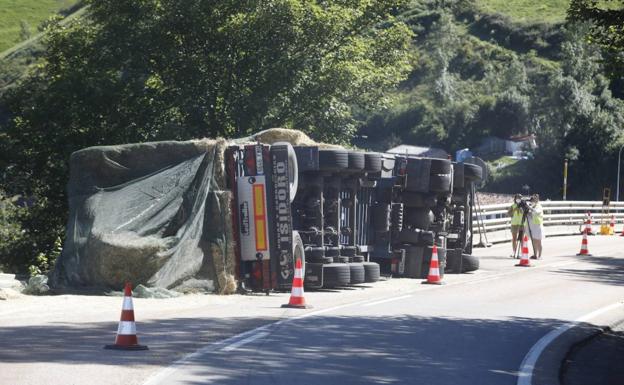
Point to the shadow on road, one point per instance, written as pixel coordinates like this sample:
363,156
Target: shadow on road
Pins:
608,270
327,350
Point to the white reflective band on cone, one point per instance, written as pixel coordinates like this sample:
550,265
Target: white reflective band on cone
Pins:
126,328
435,271
297,292
298,273
127,304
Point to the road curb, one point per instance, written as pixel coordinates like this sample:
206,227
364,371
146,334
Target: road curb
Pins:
549,368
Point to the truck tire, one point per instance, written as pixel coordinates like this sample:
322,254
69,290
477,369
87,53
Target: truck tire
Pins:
372,161
440,166
341,259
293,169
323,260
469,263
426,238
371,271
453,261
355,160
333,160
348,251
332,251
472,172
336,275
358,258
413,262
440,183
357,273
315,252
458,176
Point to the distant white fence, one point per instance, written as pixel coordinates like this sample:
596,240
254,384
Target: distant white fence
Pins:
560,218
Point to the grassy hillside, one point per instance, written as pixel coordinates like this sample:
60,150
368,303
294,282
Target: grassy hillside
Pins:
527,11
32,12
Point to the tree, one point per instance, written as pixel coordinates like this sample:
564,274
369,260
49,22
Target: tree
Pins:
135,71
607,17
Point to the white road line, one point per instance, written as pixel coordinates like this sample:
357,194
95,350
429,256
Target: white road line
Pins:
387,300
245,341
525,373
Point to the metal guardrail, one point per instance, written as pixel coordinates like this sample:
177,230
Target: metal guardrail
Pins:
560,218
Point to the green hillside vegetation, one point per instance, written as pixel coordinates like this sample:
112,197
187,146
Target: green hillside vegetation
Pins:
20,19
527,11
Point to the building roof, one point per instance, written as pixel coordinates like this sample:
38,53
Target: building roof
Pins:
430,152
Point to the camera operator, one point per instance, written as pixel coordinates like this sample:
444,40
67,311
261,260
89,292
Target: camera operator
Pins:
515,212
536,225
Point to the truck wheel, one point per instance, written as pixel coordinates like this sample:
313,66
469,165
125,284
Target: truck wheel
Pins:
293,169
341,259
357,273
333,160
348,251
336,275
458,176
372,161
440,166
472,172
331,251
355,160
323,260
440,183
371,271
469,263
315,252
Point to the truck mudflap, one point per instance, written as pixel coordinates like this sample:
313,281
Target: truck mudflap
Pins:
313,275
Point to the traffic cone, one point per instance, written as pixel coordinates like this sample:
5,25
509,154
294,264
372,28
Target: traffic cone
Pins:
612,225
584,249
434,268
126,332
524,259
297,300
588,224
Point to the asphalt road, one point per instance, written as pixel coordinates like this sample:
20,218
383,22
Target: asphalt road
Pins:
482,328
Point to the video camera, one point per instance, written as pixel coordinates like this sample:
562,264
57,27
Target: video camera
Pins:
523,202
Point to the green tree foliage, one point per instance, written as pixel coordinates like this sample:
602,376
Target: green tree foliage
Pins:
607,30
135,71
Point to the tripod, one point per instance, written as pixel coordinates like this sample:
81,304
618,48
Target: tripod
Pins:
523,223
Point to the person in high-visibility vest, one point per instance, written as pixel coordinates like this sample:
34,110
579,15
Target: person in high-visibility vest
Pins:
515,212
536,225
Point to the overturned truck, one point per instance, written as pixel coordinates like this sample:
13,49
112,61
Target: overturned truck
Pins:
351,216
222,216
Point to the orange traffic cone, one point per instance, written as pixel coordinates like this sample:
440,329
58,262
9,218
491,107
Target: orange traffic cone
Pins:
434,268
126,332
524,259
584,249
297,300
612,225
588,224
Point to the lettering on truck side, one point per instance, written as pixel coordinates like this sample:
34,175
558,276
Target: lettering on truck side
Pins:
283,224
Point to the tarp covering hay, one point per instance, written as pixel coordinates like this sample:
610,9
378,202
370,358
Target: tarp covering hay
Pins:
156,214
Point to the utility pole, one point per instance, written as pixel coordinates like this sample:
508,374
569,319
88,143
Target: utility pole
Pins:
565,178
